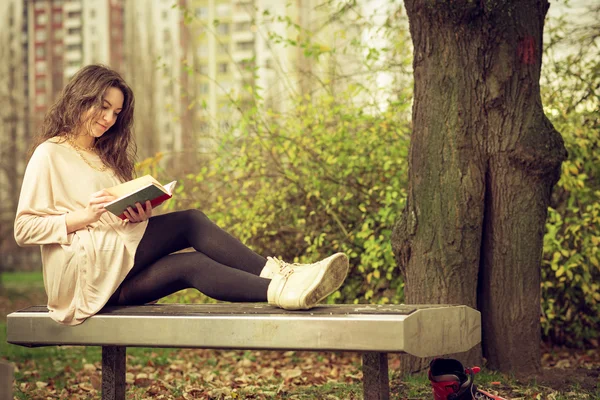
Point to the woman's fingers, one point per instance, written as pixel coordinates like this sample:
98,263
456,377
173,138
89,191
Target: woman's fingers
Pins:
138,214
101,200
128,215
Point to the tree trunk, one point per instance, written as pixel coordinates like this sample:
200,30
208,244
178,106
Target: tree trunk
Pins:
482,164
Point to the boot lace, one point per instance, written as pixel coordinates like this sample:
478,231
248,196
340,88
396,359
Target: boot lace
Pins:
285,268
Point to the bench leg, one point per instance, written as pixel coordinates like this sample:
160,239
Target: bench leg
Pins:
113,372
376,382
6,380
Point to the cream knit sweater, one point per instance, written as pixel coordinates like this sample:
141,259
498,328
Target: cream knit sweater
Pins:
81,269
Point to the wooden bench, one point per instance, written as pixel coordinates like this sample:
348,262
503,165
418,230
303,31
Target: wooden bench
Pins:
373,330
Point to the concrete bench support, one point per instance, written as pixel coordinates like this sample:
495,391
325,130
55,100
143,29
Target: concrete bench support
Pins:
113,372
376,383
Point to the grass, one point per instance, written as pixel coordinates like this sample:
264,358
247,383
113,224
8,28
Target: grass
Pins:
65,369
15,279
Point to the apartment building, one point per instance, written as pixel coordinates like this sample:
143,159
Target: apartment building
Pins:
229,38
153,57
14,128
65,35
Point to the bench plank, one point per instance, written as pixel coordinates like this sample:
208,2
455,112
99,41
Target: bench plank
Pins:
250,308
418,330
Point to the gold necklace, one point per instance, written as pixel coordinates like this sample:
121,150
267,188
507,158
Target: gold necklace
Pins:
78,149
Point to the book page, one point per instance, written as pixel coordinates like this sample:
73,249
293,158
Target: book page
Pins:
169,187
131,186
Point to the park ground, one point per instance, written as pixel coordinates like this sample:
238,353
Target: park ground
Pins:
75,372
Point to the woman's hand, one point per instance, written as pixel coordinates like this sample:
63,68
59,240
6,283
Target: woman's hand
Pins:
95,207
81,218
139,214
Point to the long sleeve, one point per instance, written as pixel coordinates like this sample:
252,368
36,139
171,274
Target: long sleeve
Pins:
81,269
40,219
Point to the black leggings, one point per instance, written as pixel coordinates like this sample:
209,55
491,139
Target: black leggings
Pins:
221,267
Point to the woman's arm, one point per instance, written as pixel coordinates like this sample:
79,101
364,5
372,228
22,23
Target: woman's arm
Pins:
38,221
79,219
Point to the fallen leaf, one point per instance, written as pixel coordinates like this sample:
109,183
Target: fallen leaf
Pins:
142,382
89,367
86,386
291,373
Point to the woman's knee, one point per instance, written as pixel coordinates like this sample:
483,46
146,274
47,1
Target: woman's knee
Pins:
194,217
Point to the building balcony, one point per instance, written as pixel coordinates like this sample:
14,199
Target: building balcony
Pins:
240,55
72,6
72,39
73,23
71,70
242,36
73,55
241,17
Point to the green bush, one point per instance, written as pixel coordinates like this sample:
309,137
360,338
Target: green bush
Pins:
571,263
322,178
327,176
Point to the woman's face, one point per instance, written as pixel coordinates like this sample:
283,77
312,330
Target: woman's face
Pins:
112,104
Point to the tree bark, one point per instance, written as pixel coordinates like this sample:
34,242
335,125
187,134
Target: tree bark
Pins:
482,164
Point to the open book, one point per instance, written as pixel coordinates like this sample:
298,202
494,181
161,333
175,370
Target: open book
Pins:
138,191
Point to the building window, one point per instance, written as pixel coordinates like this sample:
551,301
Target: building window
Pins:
74,31
203,69
40,84
92,13
57,17
201,12
203,50
223,10
165,14
204,88
245,46
40,67
40,35
224,47
223,68
74,47
74,15
40,100
223,29
41,19
58,48
242,26
40,51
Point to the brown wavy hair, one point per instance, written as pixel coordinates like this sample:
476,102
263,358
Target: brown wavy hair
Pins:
116,147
